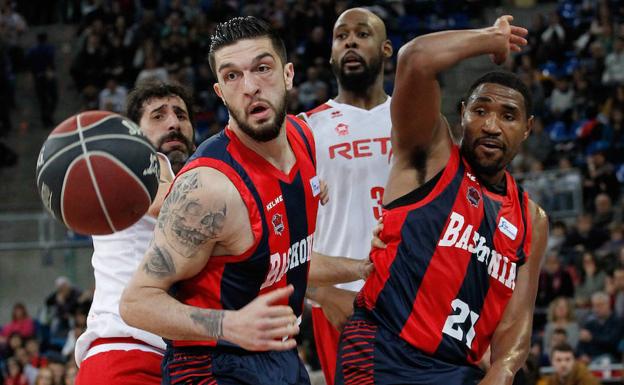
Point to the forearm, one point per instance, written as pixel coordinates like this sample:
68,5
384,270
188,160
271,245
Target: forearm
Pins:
155,311
510,349
434,53
327,271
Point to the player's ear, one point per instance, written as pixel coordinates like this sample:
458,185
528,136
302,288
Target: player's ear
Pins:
530,122
217,90
289,74
387,49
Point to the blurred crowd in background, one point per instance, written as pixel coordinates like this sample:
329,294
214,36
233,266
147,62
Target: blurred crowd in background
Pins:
572,164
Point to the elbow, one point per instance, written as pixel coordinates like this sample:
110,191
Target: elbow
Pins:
415,57
126,308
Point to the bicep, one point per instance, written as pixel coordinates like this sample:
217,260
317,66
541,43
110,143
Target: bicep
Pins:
193,218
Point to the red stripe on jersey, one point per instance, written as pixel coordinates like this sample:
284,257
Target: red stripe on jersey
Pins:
252,210
308,135
498,293
320,108
391,235
433,301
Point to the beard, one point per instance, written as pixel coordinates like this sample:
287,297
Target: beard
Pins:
177,156
360,81
267,131
486,167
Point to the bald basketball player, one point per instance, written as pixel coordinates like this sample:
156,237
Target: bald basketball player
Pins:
110,351
352,135
464,242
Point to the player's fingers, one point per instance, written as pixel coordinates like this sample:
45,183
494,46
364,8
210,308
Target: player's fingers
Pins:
289,331
275,322
276,311
519,31
518,40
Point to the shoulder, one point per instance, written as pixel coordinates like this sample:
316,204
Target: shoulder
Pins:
539,218
539,230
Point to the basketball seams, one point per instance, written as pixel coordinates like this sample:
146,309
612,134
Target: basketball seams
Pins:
96,123
125,168
88,140
98,193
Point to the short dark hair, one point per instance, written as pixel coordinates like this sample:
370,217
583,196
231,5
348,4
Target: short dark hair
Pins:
241,28
506,79
562,347
156,89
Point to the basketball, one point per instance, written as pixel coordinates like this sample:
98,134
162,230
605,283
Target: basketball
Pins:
97,173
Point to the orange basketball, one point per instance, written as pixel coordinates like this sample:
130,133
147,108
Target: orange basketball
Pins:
97,173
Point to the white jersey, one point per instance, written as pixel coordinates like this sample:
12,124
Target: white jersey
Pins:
353,157
115,259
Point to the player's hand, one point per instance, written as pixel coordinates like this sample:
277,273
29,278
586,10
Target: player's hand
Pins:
376,242
514,36
263,325
324,193
365,267
337,305
165,180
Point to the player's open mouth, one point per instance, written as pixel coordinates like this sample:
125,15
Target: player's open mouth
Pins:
490,145
352,60
258,110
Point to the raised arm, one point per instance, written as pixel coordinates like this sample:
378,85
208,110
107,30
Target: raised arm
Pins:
415,108
203,215
512,339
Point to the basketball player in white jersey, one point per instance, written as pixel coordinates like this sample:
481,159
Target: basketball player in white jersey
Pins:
352,135
110,351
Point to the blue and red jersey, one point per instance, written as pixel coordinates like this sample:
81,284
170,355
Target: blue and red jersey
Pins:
448,272
282,213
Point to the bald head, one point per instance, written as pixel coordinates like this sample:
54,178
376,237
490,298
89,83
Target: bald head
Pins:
359,47
364,17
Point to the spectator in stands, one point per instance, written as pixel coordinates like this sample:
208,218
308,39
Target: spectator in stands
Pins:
562,98
601,333
309,90
567,370
614,64
561,315
21,323
152,71
45,377
556,237
57,365
113,97
70,373
91,62
6,97
14,27
60,306
28,369
15,375
618,295
538,145
36,359
592,280
14,342
600,177
604,213
42,66
78,327
554,281
553,40
585,236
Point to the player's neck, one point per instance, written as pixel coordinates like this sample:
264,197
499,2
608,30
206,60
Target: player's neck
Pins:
495,183
371,98
276,151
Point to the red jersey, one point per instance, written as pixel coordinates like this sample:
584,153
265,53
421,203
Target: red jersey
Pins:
448,272
282,213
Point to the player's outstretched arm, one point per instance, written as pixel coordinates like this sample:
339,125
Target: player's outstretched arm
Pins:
511,341
415,106
327,271
202,212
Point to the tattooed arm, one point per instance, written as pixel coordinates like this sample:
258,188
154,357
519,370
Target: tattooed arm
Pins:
203,215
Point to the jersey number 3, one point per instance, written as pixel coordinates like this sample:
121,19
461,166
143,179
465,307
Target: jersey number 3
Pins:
456,323
376,194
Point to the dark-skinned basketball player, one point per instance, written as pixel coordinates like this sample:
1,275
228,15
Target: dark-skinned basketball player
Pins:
464,242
